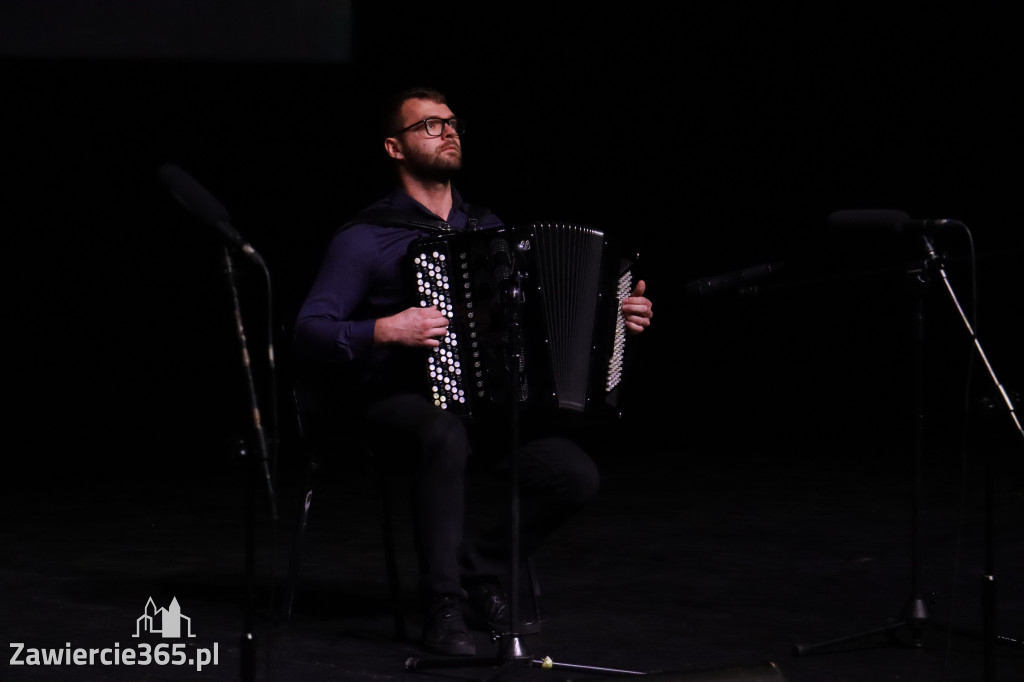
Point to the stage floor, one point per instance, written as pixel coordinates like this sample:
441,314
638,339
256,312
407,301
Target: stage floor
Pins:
685,563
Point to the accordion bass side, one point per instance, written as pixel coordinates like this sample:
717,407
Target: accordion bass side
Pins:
533,317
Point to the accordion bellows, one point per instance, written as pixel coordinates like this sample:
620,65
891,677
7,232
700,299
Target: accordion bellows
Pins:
533,317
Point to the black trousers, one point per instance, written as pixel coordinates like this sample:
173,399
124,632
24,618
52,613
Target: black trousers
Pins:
555,478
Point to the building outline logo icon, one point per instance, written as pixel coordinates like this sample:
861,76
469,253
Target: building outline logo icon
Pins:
167,622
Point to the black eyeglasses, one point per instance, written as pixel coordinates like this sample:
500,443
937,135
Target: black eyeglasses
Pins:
435,126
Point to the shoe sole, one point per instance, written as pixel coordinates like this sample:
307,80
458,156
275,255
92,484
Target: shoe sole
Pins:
456,650
528,628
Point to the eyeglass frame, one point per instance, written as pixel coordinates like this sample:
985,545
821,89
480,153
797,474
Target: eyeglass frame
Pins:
458,128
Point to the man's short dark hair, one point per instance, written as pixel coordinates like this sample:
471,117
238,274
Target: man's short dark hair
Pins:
392,119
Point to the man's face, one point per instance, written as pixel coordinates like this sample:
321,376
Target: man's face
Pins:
435,158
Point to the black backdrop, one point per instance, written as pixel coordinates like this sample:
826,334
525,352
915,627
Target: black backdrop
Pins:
711,140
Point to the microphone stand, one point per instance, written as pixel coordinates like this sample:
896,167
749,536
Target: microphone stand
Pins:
915,615
988,590
511,651
974,338
248,640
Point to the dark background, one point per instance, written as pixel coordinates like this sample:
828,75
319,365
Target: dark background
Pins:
712,140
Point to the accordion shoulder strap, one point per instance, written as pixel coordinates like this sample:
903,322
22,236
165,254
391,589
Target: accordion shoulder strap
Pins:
395,217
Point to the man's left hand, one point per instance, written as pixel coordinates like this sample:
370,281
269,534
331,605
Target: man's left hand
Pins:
637,309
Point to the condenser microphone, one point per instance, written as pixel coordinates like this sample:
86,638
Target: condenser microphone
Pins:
742,281
198,201
883,219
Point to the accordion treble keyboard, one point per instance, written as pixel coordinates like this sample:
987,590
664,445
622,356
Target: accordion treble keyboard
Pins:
533,317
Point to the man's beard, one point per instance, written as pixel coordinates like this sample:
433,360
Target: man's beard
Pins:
440,166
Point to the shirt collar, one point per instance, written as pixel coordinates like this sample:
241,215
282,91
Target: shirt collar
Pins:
457,218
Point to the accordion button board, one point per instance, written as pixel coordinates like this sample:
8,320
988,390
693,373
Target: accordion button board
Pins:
533,317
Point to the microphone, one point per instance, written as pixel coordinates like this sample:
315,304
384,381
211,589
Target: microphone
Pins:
729,281
201,203
895,221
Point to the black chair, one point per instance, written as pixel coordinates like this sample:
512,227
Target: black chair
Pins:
318,440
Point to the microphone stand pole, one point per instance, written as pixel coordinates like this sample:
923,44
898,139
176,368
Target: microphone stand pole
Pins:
248,640
915,613
511,650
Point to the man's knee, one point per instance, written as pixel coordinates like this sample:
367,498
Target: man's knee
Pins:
585,479
566,468
444,440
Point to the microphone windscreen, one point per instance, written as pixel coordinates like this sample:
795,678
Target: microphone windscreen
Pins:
192,195
871,219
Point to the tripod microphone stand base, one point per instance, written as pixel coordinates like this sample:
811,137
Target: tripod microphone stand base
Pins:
512,648
915,621
511,651
511,654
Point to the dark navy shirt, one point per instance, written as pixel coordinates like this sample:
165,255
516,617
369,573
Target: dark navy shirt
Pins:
360,280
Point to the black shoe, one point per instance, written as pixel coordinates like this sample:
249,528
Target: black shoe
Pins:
444,630
491,610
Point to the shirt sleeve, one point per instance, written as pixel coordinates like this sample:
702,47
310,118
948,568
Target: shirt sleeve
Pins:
326,328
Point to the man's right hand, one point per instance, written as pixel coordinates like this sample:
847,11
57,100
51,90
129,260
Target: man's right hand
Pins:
412,327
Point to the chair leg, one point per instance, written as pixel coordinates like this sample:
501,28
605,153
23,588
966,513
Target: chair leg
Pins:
390,556
295,559
534,589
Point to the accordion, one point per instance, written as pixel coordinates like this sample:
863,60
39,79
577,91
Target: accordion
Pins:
534,317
